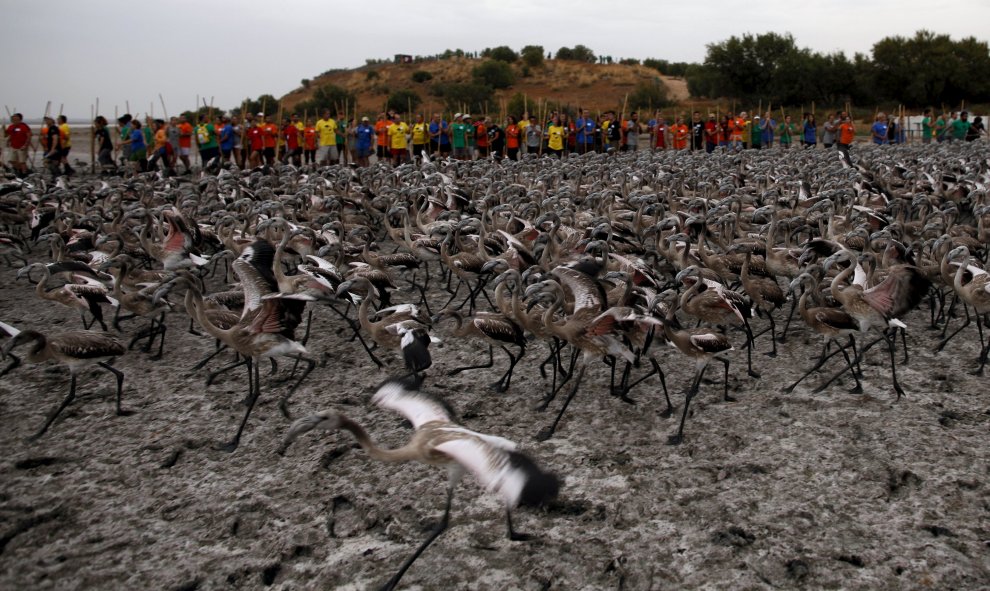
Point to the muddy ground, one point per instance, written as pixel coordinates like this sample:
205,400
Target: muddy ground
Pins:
801,490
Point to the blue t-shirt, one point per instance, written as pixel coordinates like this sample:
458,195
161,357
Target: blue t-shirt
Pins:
227,137
809,133
365,136
880,129
137,140
767,137
442,128
585,130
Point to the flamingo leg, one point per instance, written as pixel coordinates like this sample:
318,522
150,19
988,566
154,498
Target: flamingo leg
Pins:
548,432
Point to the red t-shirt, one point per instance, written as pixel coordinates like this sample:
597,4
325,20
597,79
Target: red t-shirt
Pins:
270,133
291,133
661,136
309,138
19,134
185,135
255,137
711,132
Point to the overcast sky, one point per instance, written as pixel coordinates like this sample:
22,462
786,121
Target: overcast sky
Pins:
70,51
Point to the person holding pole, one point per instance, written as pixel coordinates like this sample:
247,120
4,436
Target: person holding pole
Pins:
847,134
104,146
206,140
185,142
18,138
585,126
439,136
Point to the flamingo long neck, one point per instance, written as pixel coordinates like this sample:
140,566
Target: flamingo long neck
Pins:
401,454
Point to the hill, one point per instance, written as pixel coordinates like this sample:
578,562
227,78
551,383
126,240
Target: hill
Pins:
594,86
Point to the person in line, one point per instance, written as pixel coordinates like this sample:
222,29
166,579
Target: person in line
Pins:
481,137
679,133
809,133
381,132
293,147
420,137
458,137
226,139
557,136
768,125
941,129
534,135
711,133
512,135
755,132
65,132
310,141
631,129
185,143
365,137
830,129
162,150
398,140
439,136
206,140
496,139
18,139
976,129
737,131
960,127
138,149
697,132
847,133
124,133
585,132
787,130
878,133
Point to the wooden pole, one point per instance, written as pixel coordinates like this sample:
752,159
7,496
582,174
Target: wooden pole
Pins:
164,110
278,131
92,138
127,105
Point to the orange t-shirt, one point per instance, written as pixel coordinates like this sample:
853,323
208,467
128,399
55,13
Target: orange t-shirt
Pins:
679,135
185,135
309,138
161,138
271,134
381,130
736,129
847,133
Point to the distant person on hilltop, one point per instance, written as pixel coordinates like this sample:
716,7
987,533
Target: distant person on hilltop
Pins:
18,139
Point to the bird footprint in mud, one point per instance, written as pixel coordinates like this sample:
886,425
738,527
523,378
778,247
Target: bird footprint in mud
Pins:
345,519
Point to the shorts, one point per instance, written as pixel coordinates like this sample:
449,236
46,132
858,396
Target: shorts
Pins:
18,155
226,153
382,152
106,157
418,149
445,148
268,152
400,153
482,151
461,153
327,153
363,152
184,151
207,154
138,155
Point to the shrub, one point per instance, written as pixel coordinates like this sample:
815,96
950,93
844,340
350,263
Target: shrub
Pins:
420,76
305,82
493,73
402,101
372,75
501,53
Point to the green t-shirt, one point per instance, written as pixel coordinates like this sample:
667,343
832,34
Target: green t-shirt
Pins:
926,128
786,132
959,129
755,133
206,136
460,134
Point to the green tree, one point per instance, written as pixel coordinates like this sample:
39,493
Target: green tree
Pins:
532,55
502,53
583,54
749,65
265,102
493,73
564,53
401,101
327,96
648,94
460,97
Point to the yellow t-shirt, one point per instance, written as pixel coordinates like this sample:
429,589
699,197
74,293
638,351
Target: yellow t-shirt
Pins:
397,134
66,133
556,133
419,132
327,128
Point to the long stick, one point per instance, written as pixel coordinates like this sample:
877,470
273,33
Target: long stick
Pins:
164,110
278,124
92,138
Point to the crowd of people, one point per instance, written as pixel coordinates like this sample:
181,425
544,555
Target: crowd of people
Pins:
256,140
